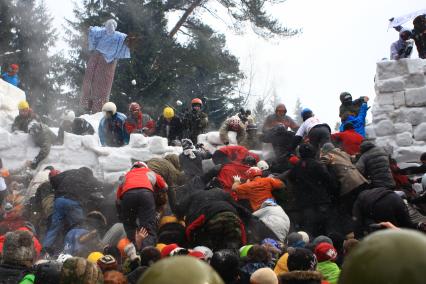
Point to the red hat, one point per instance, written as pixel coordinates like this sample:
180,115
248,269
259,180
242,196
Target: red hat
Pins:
15,67
165,252
325,251
197,254
293,160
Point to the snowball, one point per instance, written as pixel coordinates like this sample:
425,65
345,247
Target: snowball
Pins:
134,82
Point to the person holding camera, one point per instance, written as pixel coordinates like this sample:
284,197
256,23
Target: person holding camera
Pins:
403,47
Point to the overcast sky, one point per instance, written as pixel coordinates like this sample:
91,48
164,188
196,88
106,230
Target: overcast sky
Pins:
337,51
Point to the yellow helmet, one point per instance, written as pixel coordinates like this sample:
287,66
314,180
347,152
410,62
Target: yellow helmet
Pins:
23,105
94,257
168,112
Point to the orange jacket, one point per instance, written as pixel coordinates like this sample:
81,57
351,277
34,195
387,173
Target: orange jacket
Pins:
258,190
140,178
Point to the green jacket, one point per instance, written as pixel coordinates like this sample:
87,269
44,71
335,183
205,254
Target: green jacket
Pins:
329,270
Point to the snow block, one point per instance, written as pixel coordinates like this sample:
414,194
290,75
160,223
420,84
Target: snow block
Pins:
391,85
399,99
415,116
214,138
384,128
369,132
420,132
138,140
378,110
115,162
387,69
404,139
403,127
4,139
408,154
384,99
416,97
72,141
158,145
415,80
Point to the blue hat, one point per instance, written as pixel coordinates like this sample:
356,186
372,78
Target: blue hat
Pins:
305,111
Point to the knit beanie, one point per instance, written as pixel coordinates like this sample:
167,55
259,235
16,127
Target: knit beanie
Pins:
114,277
79,270
208,253
18,248
264,276
325,251
244,250
295,240
165,252
301,259
305,236
322,239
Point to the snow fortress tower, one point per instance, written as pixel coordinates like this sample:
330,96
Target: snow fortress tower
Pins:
399,110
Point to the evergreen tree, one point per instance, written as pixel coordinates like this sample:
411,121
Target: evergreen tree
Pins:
30,32
297,111
260,111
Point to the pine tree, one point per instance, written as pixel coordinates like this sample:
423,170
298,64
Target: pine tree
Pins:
297,111
260,111
32,34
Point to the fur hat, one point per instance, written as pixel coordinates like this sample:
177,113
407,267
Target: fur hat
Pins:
79,270
18,248
312,277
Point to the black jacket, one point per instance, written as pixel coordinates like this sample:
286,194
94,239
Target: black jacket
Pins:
79,185
313,184
280,138
12,274
379,205
374,165
175,128
193,167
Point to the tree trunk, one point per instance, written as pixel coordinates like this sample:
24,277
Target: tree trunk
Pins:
184,17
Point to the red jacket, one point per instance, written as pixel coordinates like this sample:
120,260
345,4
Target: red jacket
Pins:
140,178
132,125
228,171
350,140
237,153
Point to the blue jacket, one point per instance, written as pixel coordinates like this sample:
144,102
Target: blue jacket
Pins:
112,132
71,242
357,121
14,80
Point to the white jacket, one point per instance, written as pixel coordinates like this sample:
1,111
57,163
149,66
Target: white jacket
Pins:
275,218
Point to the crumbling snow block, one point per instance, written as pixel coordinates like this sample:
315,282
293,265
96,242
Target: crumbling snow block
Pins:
113,177
158,145
138,140
420,132
214,138
390,85
404,139
384,128
415,97
403,127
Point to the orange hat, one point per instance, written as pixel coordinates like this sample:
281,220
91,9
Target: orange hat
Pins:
4,172
160,246
122,244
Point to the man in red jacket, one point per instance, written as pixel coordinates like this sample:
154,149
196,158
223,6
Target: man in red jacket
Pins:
135,199
349,139
138,122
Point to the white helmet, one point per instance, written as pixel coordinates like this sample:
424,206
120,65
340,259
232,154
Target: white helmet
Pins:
263,165
68,115
109,106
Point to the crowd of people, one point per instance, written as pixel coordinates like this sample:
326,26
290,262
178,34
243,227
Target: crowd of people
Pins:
294,218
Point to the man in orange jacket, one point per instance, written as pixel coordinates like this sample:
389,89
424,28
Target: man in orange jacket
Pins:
135,200
257,189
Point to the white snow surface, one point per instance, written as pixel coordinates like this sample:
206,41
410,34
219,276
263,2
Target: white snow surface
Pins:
399,111
107,163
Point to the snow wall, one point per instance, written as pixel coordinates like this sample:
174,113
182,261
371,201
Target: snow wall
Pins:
399,110
107,163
